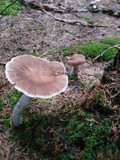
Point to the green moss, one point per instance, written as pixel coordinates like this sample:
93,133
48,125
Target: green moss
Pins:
38,28
56,136
34,132
59,135
90,137
77,133
96,102
14,97
45,101
13,10
1,104
51,52
110,152
92,49
87,18
8,122
68,50
34,53
111,41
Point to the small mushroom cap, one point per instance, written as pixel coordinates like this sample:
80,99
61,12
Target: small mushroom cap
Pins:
37,77
76,59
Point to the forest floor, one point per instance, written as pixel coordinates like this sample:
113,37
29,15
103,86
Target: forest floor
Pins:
48,33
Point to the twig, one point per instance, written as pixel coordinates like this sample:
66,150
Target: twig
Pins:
69,33
83,23
66,21
118,93
90,31
101,54
8,6
92,120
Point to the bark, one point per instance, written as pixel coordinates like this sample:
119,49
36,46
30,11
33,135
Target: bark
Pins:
19,108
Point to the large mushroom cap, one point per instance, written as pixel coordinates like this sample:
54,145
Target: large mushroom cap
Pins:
37,77
76,59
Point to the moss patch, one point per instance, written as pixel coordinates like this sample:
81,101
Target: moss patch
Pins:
86,18
13,10
71,133
92,49
14,97
95,101
11,100
111,41
68,135
38,28
88,137
1,104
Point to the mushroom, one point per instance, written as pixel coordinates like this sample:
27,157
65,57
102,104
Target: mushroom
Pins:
36,78
74,61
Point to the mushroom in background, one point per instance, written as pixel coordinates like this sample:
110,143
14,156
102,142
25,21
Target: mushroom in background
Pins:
36,78
74,61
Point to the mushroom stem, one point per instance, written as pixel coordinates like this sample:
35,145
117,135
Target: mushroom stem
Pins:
19,108
71,72
74,71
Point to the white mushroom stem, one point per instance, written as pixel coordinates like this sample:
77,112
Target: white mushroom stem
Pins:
74,71
19,108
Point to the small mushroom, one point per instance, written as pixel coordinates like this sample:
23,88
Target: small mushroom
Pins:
36,78
74,61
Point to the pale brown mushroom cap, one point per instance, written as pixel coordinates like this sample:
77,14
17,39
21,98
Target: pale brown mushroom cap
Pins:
76,59
37,77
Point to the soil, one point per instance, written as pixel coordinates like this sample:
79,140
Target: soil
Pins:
35,30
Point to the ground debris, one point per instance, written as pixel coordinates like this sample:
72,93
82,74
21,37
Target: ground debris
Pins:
35,32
